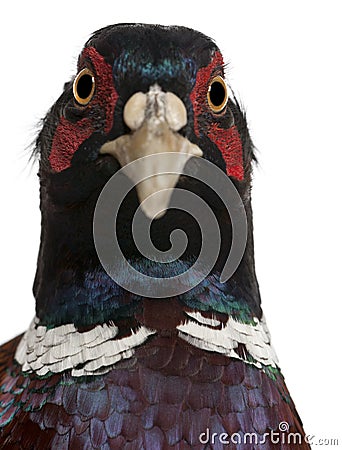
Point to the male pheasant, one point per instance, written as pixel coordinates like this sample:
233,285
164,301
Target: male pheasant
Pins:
103,366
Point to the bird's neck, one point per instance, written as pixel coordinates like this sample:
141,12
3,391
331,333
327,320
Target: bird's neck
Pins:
71,286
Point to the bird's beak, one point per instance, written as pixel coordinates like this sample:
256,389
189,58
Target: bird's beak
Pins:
154,119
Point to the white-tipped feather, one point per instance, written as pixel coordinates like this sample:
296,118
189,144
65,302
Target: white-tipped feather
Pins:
63,348
55,350
225,340
204,320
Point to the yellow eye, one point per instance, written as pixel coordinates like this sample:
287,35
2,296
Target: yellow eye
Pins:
84,87
217,95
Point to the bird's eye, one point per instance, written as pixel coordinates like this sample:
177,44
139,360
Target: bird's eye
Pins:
217,95
84,87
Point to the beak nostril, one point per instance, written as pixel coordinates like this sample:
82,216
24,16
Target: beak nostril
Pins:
175,112
134,111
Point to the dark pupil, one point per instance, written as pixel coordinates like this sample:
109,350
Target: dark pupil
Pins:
217,93
84,86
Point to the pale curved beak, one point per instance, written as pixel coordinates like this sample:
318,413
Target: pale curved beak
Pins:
154,119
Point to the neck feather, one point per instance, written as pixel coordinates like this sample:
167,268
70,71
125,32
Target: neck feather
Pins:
71,286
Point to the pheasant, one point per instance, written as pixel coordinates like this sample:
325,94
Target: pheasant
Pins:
145,353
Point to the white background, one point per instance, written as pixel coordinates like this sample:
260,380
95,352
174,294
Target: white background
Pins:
285,65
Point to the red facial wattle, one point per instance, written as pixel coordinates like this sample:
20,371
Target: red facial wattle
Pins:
70,135
226,139
229,143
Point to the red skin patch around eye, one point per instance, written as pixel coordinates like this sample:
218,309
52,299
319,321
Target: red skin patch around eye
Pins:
229,143
227,140
69,136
